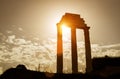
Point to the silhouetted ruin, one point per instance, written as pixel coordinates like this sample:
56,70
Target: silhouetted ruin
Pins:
96,68
74,22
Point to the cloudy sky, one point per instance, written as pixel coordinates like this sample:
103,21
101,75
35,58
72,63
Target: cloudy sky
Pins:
28,31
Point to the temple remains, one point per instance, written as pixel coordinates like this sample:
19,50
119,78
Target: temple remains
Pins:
74,21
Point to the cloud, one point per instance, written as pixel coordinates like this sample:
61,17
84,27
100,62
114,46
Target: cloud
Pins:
10,39
2,37
20,29
42,56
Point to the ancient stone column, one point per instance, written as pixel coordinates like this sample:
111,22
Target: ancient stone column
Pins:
59,49
87,50
74,51
74,22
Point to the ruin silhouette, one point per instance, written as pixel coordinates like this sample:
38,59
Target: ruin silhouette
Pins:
96,68
74,21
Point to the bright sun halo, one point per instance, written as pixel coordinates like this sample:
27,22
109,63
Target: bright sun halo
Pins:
66,32
65,29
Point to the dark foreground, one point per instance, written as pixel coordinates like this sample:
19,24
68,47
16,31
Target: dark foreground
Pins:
15,73
103,68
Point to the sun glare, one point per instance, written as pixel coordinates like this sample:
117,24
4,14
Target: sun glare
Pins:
66,32
65,28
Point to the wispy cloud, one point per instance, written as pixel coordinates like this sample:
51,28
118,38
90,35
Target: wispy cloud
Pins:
41,55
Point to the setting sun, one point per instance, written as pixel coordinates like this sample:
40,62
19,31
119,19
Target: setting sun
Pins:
66,32
65,28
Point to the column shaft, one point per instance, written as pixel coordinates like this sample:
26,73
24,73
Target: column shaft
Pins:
74,51
59,50
87,50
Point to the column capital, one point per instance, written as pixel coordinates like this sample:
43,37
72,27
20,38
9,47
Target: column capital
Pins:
86,28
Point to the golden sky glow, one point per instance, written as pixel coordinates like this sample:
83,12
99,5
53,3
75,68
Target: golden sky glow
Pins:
28,31
39,18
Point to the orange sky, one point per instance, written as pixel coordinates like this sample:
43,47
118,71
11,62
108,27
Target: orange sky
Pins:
39,17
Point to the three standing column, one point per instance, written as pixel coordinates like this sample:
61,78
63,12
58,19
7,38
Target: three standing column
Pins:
74,50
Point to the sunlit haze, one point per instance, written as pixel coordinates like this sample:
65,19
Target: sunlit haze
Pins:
28,32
